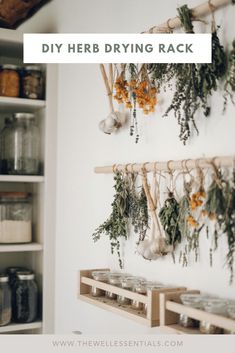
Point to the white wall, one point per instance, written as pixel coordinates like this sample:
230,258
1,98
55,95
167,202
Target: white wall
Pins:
84,198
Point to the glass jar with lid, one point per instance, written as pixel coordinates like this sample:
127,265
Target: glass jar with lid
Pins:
9,81
5,300
216,306
15,217
22,146
194,301
101,276
25,306
7,123
33,82
115,279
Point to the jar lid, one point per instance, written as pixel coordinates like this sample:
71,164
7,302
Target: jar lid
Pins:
25,275
19,116
4,278
33,68
13,195
10,67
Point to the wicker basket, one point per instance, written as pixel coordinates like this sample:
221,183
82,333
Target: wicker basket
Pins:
13,12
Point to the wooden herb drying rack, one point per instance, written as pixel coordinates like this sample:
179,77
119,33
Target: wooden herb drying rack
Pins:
151,319
171,307
171,165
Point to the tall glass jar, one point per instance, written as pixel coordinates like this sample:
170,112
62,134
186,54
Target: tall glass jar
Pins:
140,288
194,301
33,82
22,144
9,81
25,308
15,217
128,283
7,124
5,300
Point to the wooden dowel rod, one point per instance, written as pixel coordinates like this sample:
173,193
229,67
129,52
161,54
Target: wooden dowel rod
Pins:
197,12
173,165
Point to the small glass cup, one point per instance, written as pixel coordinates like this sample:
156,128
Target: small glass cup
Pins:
101,276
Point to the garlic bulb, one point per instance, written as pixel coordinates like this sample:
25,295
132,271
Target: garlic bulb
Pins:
113,122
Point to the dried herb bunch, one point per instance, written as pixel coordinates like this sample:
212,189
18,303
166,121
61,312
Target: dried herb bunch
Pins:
229,228
138,209
169,217
116,226
195,83
129,206
229,86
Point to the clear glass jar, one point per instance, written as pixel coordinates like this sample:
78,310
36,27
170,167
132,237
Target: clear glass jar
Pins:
151,286
114,279
231,315
25,307
7,123
194,301
5,300
33,82
216,306
15,217
9,81
128,283
140,288
101,276
22,146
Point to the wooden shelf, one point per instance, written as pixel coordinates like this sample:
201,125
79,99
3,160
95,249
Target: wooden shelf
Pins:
14,105
151,318
179,330
123,310
21,327
31,247
22,178
171,308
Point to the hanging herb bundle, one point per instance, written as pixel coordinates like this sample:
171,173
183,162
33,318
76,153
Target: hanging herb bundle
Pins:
169,216
195,83
229,228
116,226
229,86
138,210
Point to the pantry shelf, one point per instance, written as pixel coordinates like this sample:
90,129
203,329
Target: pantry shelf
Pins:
14,105
177,329
22,178
171,308
21,327
32,247
152,316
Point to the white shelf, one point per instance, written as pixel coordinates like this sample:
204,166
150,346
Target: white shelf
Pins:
21,327
22,178
11,105
21,247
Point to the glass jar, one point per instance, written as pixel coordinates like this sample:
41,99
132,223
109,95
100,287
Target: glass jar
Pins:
22,144
25,308
7,124
5,300
33,82
151,286
101,276
216,306
128,284
194,301
9,81
140,288
15,217
114,279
